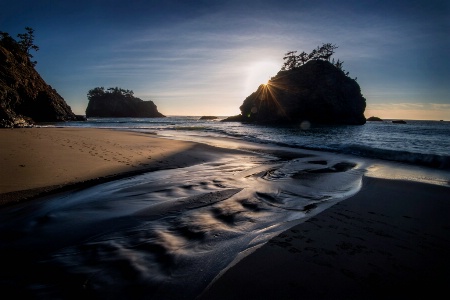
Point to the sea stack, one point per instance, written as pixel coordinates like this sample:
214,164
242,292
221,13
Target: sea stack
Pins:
119,103
317,92
374,119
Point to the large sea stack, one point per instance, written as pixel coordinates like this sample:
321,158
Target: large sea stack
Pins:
25,97
119,103
317,92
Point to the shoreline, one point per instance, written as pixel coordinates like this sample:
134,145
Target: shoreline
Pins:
390,235
389,241
37,162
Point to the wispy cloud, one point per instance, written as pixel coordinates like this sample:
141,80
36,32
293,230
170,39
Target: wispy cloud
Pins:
201,53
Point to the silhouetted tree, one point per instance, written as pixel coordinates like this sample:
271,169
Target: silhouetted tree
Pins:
291,61
129,93
26,43
338,64
100,92
95,93
324,52
27,40
303,58
312,55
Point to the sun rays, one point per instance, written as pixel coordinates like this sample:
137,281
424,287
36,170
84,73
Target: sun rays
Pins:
266,96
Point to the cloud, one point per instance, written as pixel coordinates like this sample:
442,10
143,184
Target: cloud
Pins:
186,52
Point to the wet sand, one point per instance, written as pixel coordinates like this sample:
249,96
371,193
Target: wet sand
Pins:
39,161
389,241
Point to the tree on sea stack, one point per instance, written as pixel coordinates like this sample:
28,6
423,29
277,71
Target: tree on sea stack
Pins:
100,92
293,61
309,87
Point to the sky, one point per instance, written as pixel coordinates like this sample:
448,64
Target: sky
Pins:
205,57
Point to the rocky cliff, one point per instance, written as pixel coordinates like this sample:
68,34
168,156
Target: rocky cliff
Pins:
119,103
317,92
25,97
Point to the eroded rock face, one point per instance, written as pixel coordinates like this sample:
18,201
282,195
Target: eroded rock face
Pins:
317,92
120,106
25,97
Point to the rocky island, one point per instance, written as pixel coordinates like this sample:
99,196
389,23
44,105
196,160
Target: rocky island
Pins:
310,88
374,119
25,98
208,118
119,103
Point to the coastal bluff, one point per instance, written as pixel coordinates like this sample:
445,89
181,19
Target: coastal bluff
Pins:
317,92
25,98
119,103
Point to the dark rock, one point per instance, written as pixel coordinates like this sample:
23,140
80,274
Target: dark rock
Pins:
80,118
25,97
317,92
208,118
237,118
375,119
399,122
117,105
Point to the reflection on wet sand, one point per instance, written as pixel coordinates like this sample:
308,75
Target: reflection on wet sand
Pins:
166,234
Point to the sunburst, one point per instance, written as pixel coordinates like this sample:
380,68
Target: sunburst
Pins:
267,96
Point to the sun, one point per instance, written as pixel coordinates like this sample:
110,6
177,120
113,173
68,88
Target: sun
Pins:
260,72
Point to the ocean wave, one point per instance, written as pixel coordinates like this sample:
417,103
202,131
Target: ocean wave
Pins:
422,143
190,128
428,160
423,159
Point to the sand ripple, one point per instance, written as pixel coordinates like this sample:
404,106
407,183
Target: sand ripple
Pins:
167,234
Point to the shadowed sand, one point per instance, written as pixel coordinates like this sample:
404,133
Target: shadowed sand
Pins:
36,161
389,241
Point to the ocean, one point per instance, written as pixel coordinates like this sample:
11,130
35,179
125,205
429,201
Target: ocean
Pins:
424,143
167,234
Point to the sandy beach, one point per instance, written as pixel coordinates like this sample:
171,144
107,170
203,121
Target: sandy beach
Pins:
390,240
38,161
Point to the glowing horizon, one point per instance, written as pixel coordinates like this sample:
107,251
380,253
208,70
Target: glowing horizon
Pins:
205,58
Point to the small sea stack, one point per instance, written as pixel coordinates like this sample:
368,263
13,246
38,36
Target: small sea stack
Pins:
374,119
119,103
208,118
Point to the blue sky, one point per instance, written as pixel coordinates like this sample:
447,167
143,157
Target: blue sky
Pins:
205,57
